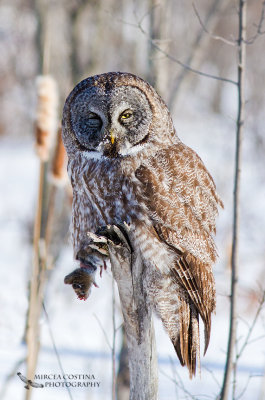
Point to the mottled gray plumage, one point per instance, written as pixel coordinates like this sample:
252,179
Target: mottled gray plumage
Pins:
127,164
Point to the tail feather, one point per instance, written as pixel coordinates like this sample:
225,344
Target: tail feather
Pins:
181,321
187,342
180,318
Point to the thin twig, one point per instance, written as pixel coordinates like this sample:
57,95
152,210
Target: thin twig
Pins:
103,330
170,57
179,385
210,18
215,37
246,342
212,375
119,327
259,31
246,386
147,13
173,369
174,59
56,351
256,339
10,376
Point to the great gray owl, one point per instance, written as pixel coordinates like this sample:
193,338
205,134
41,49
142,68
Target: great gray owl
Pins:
127,164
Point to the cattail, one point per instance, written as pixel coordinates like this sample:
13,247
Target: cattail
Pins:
59,160
46,118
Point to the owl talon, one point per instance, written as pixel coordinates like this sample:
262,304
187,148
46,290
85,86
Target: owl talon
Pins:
97,237
117,234
98,243
109,234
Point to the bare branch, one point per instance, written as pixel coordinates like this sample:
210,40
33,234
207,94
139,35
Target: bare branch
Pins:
103,331
210,19
215,37
173,369
247,341
178,383
151,9
256,339
187,67
172,58
259,26
11,374
55,350
246,386
212,375
119,327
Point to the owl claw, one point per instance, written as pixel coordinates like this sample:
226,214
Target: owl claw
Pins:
109,234
98,243
97,238
116,234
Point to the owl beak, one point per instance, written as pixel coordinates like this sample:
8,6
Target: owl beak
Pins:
112,137
110,144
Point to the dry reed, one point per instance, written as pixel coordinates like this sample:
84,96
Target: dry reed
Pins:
45,127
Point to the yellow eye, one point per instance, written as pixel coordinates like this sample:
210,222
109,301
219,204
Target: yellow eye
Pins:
126,115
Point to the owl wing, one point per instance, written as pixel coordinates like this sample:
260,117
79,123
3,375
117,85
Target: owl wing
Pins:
183,204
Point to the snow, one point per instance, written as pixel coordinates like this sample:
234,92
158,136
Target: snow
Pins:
79,328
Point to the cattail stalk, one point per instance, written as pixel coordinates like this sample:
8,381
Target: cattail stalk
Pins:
58,179
45,127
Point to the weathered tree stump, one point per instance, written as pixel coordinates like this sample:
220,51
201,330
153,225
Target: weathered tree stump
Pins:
128,271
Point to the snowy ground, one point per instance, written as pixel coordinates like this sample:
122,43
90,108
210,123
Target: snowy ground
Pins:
79,338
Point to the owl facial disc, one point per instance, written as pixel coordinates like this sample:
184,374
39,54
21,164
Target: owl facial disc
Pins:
111,123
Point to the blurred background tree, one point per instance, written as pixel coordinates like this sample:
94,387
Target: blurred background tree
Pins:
86,37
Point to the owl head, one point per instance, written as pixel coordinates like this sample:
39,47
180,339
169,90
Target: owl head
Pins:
115,114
